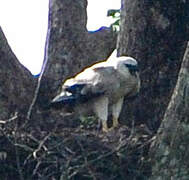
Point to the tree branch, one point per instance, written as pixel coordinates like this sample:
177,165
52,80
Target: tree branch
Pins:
16,83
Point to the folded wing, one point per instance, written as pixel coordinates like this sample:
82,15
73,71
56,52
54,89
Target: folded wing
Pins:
93,82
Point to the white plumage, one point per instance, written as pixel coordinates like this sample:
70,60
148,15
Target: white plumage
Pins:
101,88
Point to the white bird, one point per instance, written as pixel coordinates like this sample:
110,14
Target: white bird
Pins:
101,89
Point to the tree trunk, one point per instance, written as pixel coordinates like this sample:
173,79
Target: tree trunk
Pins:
153,32
16,83
70,46
33,144
171,149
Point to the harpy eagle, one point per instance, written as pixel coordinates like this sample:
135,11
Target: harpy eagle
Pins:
101,89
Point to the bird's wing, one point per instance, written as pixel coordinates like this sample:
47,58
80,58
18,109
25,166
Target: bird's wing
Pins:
93,82
107,79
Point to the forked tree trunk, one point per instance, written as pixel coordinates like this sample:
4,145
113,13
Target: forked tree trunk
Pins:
155,33
69,47
23,121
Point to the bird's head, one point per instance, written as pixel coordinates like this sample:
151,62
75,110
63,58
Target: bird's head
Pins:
127,65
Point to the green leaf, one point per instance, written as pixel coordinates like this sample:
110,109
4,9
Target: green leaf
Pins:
113,12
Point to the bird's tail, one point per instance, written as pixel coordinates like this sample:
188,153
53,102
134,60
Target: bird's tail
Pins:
72,95
63,100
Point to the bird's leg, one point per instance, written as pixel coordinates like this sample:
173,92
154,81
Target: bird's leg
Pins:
101,111
116,109
105,126
115,122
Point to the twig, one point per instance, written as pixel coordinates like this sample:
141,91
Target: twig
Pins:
41,74
18,164
17,156
25,147
9,120
2,122
36,168
41,144
78,168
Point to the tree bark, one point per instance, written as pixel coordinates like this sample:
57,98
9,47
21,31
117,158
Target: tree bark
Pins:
70,46
170,150
155,33
16,83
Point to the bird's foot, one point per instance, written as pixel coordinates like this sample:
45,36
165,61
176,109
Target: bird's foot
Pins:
115,123
105,127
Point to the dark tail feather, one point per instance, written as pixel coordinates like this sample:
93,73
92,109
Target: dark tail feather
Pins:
72,100
75,89
62,101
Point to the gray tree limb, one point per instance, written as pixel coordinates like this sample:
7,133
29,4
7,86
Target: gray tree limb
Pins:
170,150
16,82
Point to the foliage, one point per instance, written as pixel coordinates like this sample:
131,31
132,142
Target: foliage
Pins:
88,122
115,14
